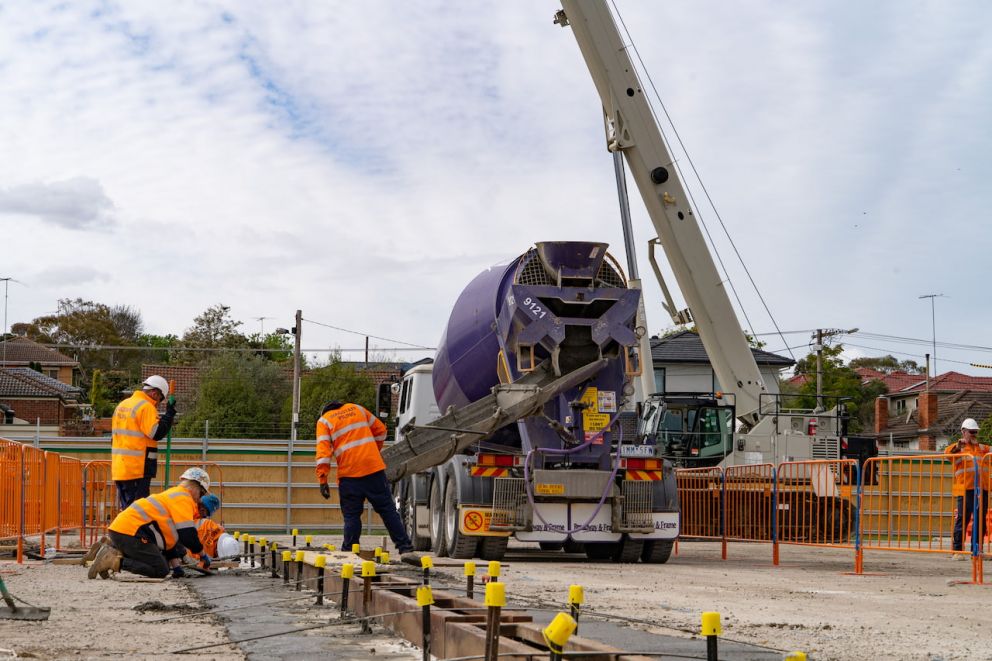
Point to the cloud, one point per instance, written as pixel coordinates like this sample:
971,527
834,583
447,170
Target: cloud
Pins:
75,275
77,204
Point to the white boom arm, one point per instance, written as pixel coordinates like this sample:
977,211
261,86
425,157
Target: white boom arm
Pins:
632,130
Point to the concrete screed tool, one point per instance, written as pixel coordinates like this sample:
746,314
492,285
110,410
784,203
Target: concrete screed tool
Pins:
14,612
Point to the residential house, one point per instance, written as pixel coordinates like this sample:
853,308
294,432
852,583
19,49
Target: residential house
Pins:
928,416
29,397
682,365
22,352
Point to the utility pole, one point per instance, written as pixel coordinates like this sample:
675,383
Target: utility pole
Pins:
933,325
295,424
261,324
3,334
821,335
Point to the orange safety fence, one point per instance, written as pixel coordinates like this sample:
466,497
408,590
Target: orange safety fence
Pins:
701,503
986,533
99,500
817,502
33,480
70,495
749,503
11,504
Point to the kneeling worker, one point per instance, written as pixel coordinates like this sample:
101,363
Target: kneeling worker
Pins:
208,530
353,437
154,533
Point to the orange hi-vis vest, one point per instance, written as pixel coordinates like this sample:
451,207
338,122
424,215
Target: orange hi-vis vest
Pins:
968,457
209,531
134,451
162,515
353,437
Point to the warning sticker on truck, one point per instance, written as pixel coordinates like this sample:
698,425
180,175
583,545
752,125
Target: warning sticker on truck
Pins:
547,489
476,520
592,420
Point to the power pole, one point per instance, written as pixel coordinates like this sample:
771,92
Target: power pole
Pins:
294,430
933,325
821,335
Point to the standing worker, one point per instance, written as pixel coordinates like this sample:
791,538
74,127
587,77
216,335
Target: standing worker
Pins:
137,429
964,482
354,437
155,533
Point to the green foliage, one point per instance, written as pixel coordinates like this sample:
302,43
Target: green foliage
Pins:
985,431
278,348
885,364
839,381
242,397
107,389
324,384
212,329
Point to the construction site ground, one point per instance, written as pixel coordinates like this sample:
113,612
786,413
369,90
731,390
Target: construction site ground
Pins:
906,606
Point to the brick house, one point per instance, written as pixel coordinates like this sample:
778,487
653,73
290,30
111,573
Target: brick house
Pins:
915,417
22,352
30,396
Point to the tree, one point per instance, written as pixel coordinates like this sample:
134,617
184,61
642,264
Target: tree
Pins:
212,329
322,385
242,396
985,431
885,364
839,381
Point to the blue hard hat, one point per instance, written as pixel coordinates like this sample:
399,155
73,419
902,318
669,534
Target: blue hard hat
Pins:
211,502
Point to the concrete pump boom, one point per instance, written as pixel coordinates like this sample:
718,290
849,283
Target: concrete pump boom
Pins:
633,131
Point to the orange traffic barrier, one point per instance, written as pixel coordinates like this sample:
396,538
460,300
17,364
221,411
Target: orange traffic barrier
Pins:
816,502
70,498
10,492
701,503
749,503
33,481
99,500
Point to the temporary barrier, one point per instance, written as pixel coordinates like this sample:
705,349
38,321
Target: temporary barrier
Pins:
816,502
749,503
99,500
33,481
11,498
700,502
70,497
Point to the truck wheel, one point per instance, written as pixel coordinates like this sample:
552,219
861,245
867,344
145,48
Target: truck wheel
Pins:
601,550
657,551
439,545
629,550
407,506
459,545
493,548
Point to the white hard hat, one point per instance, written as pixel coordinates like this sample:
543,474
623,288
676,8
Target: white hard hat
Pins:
227,547
969,423
197,475
157,382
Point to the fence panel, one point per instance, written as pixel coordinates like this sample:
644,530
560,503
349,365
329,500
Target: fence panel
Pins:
11,503
99,500
700,502
816,502
70,497
34,491
749,502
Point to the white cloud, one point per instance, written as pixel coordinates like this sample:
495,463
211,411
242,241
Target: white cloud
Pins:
76,204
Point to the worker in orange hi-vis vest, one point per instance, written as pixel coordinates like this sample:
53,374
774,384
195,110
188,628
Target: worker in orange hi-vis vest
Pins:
136,429
208,530
352,437
968,454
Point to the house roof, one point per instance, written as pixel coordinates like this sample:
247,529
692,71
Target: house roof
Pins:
951,381
894,381
22,351
952,408
687,347
25,382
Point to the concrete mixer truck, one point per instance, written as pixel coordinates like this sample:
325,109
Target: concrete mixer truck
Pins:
516,428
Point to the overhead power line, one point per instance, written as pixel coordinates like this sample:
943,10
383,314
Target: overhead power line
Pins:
361,334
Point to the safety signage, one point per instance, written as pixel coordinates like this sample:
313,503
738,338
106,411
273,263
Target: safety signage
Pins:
592,420
547,489
476,520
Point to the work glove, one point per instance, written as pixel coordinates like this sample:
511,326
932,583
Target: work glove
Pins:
170,408
177,572
325,490
205,561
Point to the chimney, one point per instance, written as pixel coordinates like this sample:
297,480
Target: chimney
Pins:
927,412
881,414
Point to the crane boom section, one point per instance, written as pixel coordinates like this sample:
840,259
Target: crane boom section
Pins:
633,130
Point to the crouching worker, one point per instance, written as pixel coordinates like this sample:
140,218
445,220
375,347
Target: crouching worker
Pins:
208,530
155,533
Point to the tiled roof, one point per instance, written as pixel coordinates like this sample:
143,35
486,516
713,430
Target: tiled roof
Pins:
22,351
952,408
894,381
25,382
951,381
687,347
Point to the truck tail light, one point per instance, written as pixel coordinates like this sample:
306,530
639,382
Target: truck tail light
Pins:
641,464
499,460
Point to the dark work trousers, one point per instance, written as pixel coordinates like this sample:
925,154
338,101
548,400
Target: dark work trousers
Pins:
352,494
140,556
129,491
965,508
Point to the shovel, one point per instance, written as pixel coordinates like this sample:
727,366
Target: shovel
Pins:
14,612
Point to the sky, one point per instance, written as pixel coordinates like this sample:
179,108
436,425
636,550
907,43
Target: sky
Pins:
364,161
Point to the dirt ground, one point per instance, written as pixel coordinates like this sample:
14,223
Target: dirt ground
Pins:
906,606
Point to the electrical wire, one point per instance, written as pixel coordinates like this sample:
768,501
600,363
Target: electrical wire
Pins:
354,332
706,192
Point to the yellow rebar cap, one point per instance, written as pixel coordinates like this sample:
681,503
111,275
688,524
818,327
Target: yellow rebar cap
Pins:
331,547
347,570
496,594
494,568
309,539
384,558
575,594
287,556
300,555
424,596
295,532
263,542
368,568
470,568
356,548
426,562
320,562
711,624
377,552
237,535
796,656
559,631
251,539
275,547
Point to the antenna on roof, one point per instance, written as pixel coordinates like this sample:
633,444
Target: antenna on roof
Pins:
3,336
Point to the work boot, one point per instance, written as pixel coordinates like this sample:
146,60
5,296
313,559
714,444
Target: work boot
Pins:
91,554
411,557
107,560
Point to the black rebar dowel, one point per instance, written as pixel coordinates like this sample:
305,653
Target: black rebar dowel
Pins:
285,572
299,575
426,620
470,587
261,553
427,575
345,587
275,570
320,586
711,654
244,556
367,604
251,549
492,633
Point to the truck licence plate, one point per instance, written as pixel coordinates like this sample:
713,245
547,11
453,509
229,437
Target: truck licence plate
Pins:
636,450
